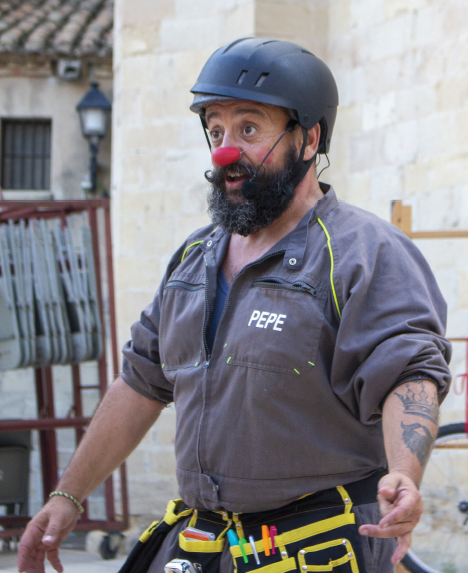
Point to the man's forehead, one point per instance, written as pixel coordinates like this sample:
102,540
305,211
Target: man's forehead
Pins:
243,107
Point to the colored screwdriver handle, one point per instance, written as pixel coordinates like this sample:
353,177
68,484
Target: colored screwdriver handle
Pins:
273,533
243,542
233,539
254,549
225,156
266,539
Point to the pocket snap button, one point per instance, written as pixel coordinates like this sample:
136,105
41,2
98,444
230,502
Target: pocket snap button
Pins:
304,567
350,554
209,243
302,552
292,261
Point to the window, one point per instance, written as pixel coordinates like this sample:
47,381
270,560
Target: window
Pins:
26,154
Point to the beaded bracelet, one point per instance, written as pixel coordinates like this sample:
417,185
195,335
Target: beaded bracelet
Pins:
70,497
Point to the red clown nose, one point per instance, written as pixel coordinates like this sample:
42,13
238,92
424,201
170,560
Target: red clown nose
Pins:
225,156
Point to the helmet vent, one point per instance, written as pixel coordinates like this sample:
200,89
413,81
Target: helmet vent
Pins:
240,79
261,79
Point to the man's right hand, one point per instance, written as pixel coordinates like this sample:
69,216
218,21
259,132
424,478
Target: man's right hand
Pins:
44,535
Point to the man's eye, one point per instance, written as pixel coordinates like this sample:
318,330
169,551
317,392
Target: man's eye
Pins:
215,135
249,130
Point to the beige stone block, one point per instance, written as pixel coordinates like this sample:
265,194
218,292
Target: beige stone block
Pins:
379,112
187,65
429,25
437,135
150,498
415,177
452,92
140,40
163,463
415,102
142,12
149,137
386,184
129,236
358,189
461,132
163,432
273,17
140,203
158,236
366,13
339,18
455,18
463,289
366,151
187,35
138,71
450,172
401,143
237,21
348,120
138,272
390,38
185,9
395,8
187,224
130,305
131,171
137,464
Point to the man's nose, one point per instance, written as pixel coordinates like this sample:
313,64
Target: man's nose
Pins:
225,155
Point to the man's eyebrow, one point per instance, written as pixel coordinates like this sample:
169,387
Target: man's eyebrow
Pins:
244,111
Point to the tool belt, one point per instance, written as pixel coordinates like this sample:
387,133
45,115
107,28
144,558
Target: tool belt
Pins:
315,533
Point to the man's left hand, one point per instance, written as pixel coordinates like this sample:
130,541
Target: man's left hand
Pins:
401,507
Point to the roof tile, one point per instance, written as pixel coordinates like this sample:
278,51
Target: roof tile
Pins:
69,28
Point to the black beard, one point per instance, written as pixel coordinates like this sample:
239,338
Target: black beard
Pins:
246,217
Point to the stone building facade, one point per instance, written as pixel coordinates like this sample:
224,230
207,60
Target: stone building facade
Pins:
401,133
50,50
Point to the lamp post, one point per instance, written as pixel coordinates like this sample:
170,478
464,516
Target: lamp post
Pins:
94,110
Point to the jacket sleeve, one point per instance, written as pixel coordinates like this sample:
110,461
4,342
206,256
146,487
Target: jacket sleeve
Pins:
393,319
141,367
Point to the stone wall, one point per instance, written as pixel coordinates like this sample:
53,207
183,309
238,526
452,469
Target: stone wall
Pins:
400,134
401,131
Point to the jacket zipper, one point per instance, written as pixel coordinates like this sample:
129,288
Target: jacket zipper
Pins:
275,282
207,320
205,328
227,298
184,285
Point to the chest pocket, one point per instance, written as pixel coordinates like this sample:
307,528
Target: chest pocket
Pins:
278,326
181,322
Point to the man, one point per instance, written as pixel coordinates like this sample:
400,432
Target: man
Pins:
300,338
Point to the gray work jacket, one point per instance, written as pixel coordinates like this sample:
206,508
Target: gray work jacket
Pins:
313,337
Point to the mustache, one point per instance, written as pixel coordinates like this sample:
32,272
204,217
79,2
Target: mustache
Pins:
237,169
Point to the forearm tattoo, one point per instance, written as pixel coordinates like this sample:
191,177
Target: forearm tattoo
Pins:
418,440
419,403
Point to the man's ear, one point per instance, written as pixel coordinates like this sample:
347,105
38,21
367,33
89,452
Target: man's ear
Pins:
313,140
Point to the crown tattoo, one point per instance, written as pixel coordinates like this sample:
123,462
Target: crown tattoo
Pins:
420,404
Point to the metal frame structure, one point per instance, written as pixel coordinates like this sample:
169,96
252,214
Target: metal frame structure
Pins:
402,218
46,422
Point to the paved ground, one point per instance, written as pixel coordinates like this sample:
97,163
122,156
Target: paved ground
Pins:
72,560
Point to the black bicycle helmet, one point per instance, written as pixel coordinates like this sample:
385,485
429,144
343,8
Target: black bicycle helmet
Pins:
273,72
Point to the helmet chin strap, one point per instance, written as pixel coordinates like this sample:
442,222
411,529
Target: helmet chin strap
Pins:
251,188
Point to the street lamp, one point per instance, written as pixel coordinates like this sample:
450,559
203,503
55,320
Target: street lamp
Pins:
94,110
